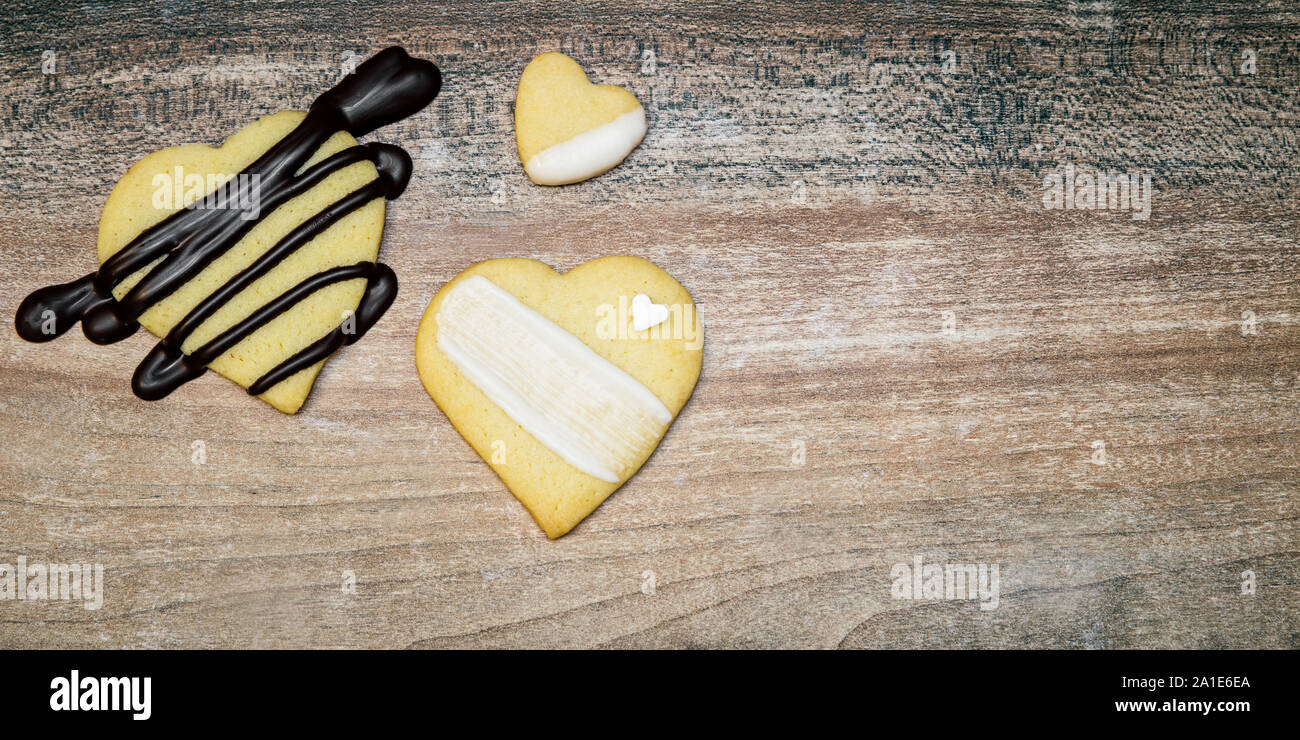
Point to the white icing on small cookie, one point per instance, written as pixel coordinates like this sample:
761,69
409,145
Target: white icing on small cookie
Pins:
585,409
589,153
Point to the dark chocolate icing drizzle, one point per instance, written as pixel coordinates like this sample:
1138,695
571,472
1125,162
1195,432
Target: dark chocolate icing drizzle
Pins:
386,88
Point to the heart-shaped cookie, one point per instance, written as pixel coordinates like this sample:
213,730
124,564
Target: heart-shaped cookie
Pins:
138,202
545,377
568,129
257,258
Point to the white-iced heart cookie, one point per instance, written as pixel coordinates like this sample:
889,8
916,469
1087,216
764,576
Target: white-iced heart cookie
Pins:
568,129
255,259
545,377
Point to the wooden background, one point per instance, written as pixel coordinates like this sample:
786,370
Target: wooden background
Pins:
827,190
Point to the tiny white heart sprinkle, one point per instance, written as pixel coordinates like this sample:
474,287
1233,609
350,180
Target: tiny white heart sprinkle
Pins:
646,314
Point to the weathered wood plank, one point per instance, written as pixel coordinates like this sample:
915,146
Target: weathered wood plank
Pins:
882,288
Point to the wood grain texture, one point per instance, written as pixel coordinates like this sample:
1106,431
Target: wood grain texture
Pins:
827,190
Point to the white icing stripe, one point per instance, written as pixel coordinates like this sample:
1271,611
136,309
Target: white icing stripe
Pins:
589,153
596,417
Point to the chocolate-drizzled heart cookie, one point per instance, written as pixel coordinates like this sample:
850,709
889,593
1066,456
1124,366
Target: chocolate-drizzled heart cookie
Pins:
256,259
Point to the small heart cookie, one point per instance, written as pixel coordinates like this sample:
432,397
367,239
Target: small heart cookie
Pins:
568,129
545,377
